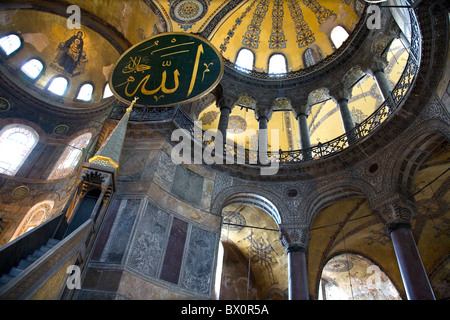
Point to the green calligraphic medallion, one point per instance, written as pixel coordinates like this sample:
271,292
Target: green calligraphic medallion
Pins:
167,69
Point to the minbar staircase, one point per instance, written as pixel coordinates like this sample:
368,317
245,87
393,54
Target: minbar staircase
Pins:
29,260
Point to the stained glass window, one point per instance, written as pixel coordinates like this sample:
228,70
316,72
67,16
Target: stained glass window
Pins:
70,157
245,59
10,43
16,143
85,93
277,64
58,86
32,68
338,36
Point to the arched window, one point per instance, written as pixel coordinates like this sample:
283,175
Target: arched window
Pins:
32,68
338,36
107,91
350,276
85,92
245,59
10,43
34,217
70,157
311,57
16,143
277,64
58,86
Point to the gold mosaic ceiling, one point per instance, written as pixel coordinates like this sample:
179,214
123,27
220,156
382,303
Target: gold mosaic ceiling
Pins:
110,27
265,26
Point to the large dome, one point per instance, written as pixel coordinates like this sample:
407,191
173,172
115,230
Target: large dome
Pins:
301,31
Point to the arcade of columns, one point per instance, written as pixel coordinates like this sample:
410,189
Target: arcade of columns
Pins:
395,213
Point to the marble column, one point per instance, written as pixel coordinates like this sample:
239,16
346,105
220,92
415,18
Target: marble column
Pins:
225,106
396,215
296,238
342,96
377,70
263,115
305,139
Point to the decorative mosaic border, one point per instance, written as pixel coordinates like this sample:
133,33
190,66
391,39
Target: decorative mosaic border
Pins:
251,36
277,39
304,34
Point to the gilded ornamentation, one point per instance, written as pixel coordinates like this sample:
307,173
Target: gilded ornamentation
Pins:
4,104
304,35
61,129
262,253
277,39
233,220
294,236
71,58
237,124
230,34
20,193
246,100
339,265
209,117
321,12
187,12
251,37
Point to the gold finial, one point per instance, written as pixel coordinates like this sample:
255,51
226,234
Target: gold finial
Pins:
132,104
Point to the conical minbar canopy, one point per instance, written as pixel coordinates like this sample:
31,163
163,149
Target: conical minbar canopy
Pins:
109,153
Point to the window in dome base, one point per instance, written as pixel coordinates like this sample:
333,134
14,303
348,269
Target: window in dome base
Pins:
244,60
277,64
58,86
85,92
32,68
107,92
10,43
338,36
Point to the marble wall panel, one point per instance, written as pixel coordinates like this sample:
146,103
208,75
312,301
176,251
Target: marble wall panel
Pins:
198,271
187,185
165,172
105,231
150,240
174,252
121,231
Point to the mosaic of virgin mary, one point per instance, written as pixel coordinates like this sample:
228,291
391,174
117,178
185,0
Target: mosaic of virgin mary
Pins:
71,55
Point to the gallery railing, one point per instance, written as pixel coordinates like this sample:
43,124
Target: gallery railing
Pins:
319,151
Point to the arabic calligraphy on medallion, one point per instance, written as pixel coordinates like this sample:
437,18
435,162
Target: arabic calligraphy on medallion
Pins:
167,69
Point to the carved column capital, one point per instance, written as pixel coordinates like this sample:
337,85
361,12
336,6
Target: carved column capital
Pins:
263,111
396,211
377,64
300,109
340,93
294,237
225,102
